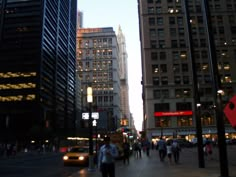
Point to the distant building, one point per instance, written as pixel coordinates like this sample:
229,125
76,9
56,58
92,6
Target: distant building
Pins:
38,67
80,19
167,82
125,120
98,66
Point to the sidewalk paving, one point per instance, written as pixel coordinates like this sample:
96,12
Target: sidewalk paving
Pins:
152,167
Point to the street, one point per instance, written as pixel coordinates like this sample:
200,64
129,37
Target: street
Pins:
43,165
50,165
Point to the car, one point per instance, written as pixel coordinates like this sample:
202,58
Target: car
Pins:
77,155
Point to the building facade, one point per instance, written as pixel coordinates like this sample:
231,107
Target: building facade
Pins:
37,71
98,66
125,120
168,92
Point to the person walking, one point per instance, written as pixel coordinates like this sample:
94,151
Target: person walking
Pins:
135,149
161,147
169,151
106,161
140,149
176,150
147,146
208,149
126,149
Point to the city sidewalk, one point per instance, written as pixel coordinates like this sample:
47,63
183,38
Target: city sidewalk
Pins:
152,167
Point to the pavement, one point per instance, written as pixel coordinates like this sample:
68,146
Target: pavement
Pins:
152,166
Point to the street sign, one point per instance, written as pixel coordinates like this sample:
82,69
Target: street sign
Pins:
230,111
94,123
85,115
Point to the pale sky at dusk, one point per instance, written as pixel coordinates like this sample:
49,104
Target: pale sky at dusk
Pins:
112,13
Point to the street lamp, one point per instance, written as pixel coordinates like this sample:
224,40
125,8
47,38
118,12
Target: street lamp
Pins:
196,94
217,92
90,100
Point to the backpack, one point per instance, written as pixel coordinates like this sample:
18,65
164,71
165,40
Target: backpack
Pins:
175,147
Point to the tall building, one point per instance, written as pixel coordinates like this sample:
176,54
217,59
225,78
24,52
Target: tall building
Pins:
125,119
80,20
168,93
98,66
37,71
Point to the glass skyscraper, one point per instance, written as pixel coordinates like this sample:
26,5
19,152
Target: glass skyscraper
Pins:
37,70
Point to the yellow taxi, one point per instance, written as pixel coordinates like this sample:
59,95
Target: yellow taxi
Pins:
77,155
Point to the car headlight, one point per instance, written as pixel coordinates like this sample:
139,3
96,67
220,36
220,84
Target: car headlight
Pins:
65,157
81,157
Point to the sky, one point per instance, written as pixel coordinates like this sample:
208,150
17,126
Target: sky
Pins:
112,13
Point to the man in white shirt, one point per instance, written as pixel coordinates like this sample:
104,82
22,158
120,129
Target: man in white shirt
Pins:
106,161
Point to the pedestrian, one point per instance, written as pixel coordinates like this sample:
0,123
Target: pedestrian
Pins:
176,150
153,145
169,151
147,145
106,161
139,149
126,150
208,149
161,147
135,148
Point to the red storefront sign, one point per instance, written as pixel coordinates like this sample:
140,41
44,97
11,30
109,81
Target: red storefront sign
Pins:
230,111
176,113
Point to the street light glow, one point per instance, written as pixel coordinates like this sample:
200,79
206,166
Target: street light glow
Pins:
89,94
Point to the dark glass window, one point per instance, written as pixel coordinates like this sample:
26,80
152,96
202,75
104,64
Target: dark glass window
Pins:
171,20
151,21
164,80
161,107
163,68
162,55
183,106
154,56
156,81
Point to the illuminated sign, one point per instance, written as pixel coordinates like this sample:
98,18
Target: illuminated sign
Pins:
176,113
85,115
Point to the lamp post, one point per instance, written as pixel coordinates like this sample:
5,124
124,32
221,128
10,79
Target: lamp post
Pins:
90,100
196,100
217,92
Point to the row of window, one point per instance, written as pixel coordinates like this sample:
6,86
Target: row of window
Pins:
178,80
106,77
162,68
194,20
29,97
100,42
157,81
160,21
101,99
159,1
181,43
183,121
104,53
199,42
178,93
230,6
95,65
187,92
160,33
162,55
177,68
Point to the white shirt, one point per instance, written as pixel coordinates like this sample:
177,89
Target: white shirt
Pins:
107,154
